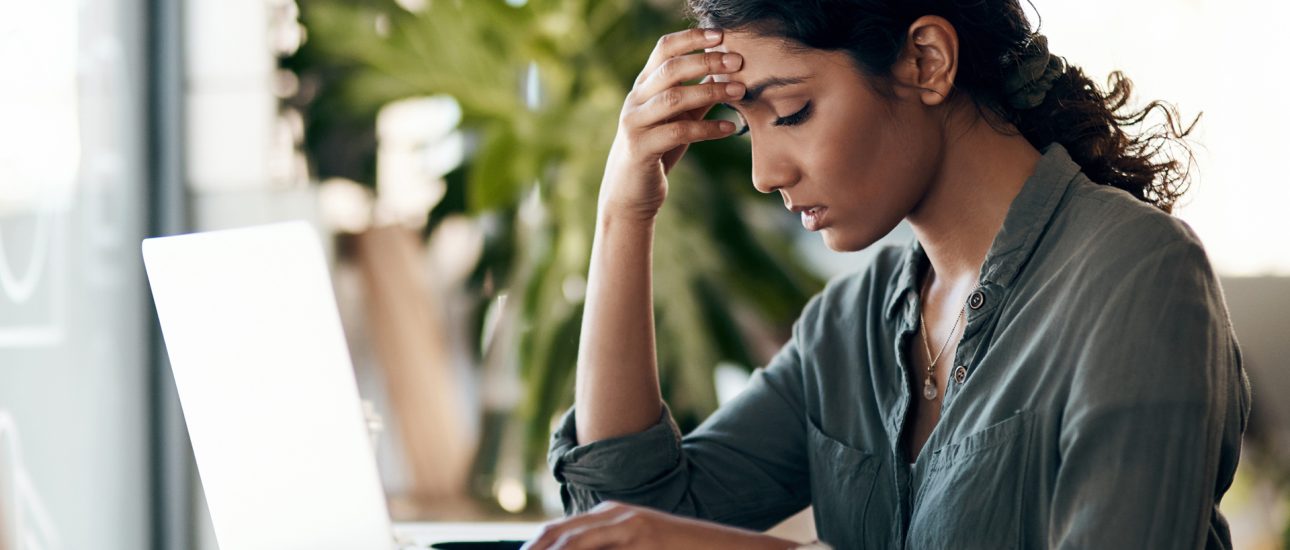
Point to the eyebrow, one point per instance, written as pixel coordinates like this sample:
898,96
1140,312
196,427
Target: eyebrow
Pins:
754,92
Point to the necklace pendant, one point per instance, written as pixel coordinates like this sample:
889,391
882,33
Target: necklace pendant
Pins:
929,389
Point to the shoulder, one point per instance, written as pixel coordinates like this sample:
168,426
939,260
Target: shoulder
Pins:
1100,233
1137,286
1129,271
1111,266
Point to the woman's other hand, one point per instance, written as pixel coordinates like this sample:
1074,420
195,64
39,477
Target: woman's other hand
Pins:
662,116
622,526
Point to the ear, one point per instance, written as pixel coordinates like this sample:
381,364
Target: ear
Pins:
929,60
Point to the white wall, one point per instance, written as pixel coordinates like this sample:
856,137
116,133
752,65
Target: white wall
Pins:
1221,57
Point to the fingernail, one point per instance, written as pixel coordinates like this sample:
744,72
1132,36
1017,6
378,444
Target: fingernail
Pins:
730,60
712,34
726,126
735,89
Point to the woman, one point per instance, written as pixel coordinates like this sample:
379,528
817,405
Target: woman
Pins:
1049,364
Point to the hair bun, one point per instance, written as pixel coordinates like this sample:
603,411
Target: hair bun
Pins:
1031,73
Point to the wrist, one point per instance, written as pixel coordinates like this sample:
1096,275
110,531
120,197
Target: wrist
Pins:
635,220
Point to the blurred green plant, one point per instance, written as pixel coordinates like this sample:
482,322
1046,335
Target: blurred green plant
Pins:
719,258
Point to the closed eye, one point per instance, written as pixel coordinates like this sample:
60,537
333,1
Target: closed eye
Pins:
796,118
791,120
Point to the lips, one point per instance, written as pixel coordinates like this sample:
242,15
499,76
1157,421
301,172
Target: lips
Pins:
813,217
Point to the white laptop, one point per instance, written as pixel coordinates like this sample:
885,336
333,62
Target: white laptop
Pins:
268,393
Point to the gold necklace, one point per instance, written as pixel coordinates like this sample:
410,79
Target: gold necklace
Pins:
929,386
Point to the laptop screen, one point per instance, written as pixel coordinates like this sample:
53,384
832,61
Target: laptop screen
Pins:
267,388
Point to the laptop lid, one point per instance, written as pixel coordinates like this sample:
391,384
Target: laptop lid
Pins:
267,389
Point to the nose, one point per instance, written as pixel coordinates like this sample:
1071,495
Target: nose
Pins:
772,170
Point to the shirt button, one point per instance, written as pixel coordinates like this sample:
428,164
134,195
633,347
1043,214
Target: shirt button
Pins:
960,374
976,300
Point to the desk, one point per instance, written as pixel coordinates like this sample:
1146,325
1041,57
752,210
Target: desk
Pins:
423,534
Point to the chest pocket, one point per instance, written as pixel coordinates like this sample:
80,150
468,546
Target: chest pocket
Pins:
849,490
972,496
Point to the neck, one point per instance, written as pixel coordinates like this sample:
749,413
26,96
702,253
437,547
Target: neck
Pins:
981,172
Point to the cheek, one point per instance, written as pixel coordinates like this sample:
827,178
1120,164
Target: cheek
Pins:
875,168
877,160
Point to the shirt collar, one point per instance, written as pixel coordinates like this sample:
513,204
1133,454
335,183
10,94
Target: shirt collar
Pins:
1027,217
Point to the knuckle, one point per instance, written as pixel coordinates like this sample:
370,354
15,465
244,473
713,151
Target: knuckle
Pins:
664,41
668,68
628,112
672,97
713,61
677,132
679,38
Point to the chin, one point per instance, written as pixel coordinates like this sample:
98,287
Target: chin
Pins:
840,240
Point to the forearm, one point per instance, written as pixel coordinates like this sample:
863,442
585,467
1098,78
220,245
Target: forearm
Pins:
617,385
617,389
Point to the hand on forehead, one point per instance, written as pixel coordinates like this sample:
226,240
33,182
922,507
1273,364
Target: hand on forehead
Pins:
762,57
721,77
767,64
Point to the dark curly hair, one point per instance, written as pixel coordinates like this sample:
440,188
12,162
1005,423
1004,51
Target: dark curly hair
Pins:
1089,121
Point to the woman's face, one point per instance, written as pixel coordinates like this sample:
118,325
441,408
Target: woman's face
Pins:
821,136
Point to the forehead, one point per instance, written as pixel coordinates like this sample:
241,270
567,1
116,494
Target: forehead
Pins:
769,57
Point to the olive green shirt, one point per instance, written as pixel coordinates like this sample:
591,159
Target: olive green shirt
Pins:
1096,399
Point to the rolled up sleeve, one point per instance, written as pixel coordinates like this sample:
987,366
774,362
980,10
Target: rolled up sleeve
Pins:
746,465
617,466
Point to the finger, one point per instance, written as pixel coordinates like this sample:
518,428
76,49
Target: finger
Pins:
552,532
681,69
702,111
610,534
677,43
682,102
666,137
697,113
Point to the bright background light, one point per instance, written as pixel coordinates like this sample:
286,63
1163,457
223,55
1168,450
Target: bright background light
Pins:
1224,59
